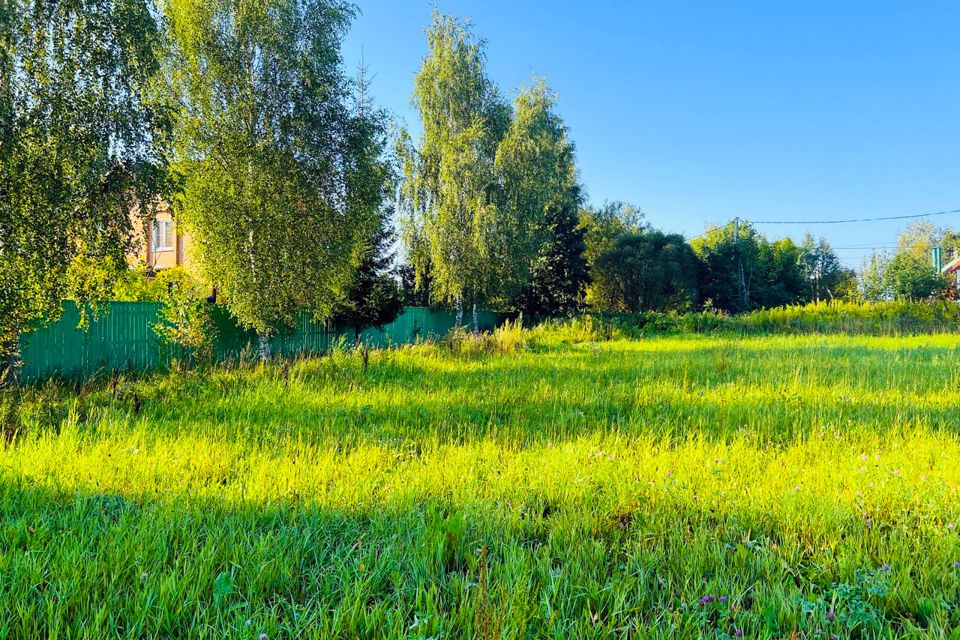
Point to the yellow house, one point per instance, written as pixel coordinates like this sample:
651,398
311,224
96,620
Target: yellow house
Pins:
161,244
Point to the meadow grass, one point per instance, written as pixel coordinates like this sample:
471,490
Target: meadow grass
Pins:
685,486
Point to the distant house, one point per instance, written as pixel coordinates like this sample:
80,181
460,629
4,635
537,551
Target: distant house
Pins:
952,268
161,244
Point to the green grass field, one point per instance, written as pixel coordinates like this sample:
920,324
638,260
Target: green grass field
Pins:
667,487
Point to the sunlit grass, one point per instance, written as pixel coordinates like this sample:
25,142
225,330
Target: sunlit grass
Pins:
669,487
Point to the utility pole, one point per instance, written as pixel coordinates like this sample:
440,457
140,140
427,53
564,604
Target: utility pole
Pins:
743,282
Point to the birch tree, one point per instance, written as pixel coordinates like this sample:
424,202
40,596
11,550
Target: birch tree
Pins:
541,199
80,141
280,182
453,228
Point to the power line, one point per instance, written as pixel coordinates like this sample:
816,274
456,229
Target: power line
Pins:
706,233
910,217
849,221
865,247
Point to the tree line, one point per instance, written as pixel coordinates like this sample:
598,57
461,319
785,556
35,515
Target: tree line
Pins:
300,193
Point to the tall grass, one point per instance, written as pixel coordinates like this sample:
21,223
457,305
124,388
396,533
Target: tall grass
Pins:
893,318
532,486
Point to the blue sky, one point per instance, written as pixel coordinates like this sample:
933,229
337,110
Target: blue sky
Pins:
700,111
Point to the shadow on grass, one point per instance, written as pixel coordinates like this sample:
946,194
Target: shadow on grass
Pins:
84,564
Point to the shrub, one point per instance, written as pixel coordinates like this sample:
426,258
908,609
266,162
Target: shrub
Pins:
187,323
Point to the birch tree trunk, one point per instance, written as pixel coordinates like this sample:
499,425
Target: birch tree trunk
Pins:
476,325
9,361
263,346
459,311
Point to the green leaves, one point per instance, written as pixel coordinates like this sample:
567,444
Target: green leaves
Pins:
281,179
222,587
648,271
80,147
477,185
907,273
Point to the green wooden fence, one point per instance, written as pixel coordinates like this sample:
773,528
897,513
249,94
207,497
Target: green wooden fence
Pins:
122,338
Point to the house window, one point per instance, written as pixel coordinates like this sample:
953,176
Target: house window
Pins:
164,237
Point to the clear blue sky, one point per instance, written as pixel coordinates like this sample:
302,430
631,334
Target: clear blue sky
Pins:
700,111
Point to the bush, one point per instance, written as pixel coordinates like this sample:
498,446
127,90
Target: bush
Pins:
187,324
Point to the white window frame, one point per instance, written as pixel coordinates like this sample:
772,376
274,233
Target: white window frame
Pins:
160,230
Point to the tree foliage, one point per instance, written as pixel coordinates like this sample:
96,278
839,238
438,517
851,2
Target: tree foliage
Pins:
602,226
373,297
728,267
558,276
907,273
821,268
646,271
911,276
748,271
80,140
281,179
459,228
536,163
187,317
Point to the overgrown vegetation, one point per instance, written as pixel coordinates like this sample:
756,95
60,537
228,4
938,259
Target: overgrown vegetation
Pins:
851,318
699,467
677,486
79,138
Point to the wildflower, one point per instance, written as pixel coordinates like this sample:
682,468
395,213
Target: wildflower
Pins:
706,600
831,615
737,633
144,575
723,598
956,564
885,567
248,622
263,636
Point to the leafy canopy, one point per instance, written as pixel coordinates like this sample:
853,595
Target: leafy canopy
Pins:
646,271
281,179
81,141
461,228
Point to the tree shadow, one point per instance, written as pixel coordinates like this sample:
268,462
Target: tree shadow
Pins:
83,563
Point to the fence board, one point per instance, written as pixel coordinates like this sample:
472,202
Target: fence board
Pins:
122,337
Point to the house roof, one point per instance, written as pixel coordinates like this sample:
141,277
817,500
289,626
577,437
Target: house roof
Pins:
951,267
